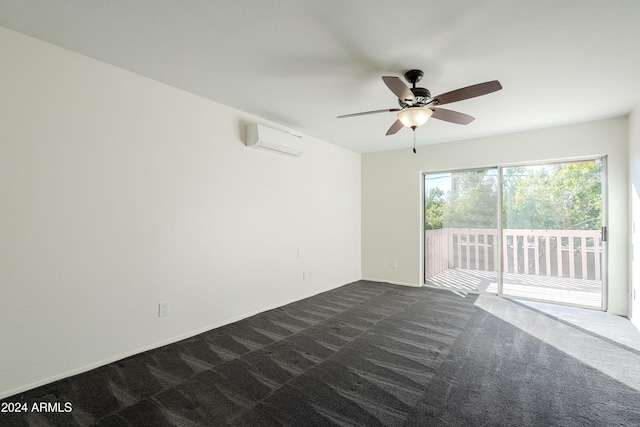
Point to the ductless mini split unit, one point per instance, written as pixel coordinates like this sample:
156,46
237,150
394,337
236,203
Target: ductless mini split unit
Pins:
275,141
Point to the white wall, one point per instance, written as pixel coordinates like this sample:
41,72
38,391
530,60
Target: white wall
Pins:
118,192
634,194
392,212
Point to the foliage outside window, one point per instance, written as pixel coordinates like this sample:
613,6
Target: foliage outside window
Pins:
551,197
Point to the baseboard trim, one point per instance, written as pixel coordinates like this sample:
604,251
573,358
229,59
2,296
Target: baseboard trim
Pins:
392,282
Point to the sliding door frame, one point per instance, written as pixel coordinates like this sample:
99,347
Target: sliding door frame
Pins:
500,234
605,226
423,249
500,263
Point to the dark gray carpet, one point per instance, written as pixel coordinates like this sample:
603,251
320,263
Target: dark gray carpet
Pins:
365,354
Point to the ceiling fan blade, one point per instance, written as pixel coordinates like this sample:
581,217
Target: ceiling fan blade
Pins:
395,127
400,89
467,92
369,112
452,116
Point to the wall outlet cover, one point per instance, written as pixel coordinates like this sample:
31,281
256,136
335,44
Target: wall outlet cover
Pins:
163,309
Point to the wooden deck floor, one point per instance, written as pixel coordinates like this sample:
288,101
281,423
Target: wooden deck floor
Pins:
587,293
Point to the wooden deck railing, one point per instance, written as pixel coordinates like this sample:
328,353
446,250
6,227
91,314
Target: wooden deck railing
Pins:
554,253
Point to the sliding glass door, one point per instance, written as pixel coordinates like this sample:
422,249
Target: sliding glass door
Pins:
552,248
530,232
461,229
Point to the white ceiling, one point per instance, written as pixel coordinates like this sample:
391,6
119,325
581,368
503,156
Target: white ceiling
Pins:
301,63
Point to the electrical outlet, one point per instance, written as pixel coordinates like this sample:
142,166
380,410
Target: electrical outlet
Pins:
394,265
163,309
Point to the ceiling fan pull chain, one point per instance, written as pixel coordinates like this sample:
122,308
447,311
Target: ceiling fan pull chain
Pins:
414,141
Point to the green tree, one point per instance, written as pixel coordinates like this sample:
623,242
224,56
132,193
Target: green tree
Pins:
578,195
558,196
472,201
433,209
526,201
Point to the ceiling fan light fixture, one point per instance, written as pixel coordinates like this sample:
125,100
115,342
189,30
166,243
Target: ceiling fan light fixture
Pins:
414,117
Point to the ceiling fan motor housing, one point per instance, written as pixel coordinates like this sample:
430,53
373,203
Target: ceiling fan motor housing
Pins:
422,96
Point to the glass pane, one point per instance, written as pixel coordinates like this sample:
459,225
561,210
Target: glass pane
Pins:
552,215
461,237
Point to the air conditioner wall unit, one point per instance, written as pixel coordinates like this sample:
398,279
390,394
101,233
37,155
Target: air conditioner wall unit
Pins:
265,138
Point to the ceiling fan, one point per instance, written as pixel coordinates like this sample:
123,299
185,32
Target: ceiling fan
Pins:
417,105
